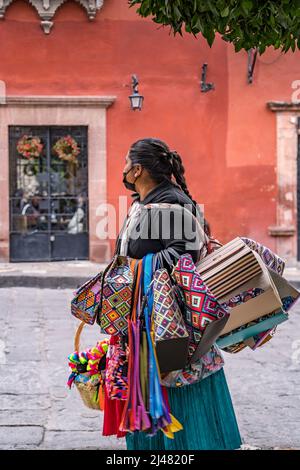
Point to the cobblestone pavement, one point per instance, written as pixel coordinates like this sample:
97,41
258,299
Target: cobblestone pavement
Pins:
38,411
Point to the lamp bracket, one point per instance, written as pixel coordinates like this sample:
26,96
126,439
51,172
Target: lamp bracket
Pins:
205,86
252,54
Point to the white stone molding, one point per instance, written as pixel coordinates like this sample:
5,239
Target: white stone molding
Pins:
285,231
46,9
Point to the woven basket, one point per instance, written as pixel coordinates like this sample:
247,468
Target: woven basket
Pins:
86,390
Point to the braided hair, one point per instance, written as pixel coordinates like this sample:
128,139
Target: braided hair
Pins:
178,172
161,162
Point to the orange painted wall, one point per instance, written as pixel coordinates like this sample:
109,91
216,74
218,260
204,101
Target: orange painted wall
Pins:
227,137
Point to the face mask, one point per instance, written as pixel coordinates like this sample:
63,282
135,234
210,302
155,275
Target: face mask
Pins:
127,184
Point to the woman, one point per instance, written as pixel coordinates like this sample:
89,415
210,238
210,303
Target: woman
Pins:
156,175
76,223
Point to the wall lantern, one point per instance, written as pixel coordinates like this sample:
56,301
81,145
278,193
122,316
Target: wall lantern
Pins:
136,100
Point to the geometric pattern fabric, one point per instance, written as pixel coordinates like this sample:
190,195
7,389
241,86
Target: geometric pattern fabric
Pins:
167,316
116,300
86,301
202,307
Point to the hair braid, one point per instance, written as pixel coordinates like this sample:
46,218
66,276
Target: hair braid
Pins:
161,164
178,172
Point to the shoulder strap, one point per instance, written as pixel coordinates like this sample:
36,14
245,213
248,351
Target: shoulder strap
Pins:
137,288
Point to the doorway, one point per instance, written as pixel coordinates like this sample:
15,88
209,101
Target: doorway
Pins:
48,185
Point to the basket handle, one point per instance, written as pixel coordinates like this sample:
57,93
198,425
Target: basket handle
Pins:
77,336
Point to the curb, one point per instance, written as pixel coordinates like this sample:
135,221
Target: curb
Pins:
63,281
43,282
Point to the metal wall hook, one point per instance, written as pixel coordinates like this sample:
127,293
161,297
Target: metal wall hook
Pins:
252,54
136,100
135,83
203,84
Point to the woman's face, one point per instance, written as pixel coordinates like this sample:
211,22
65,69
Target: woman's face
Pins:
128,163
136,170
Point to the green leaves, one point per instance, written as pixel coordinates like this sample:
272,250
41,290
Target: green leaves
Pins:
244,23
247,5
225,12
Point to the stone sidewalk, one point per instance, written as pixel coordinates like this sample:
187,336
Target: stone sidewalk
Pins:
51,275
38,411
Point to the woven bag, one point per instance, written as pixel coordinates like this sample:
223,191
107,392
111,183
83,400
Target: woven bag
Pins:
170,333
116,296
116,374
204,315
85,303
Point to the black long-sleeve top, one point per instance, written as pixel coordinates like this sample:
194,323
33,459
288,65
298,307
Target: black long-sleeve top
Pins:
165,230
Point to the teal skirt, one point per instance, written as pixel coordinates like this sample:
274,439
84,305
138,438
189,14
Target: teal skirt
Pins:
206,413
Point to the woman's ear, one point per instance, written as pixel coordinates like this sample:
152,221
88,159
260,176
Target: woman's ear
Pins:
138,170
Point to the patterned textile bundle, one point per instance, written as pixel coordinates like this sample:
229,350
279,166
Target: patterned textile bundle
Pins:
116,373
261,338
236,300
208,364
270,258
258,332
242,297
153,414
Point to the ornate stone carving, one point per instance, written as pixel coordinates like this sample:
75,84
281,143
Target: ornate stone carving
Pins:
47,8
3,5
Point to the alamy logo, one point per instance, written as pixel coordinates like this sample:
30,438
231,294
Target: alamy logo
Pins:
159,222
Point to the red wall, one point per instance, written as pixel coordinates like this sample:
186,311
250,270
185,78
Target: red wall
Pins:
227,137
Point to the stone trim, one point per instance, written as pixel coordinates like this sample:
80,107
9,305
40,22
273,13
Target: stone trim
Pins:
285,230
283,106
275,231
52,100
46,9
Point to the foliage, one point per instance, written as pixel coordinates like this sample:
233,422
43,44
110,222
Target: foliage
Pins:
244,23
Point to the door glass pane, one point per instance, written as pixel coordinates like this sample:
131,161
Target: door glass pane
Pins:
69,182
69,214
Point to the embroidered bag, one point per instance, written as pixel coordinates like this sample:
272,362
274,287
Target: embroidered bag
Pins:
204,315
85,304
198,368
116,296
170,333
208,364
